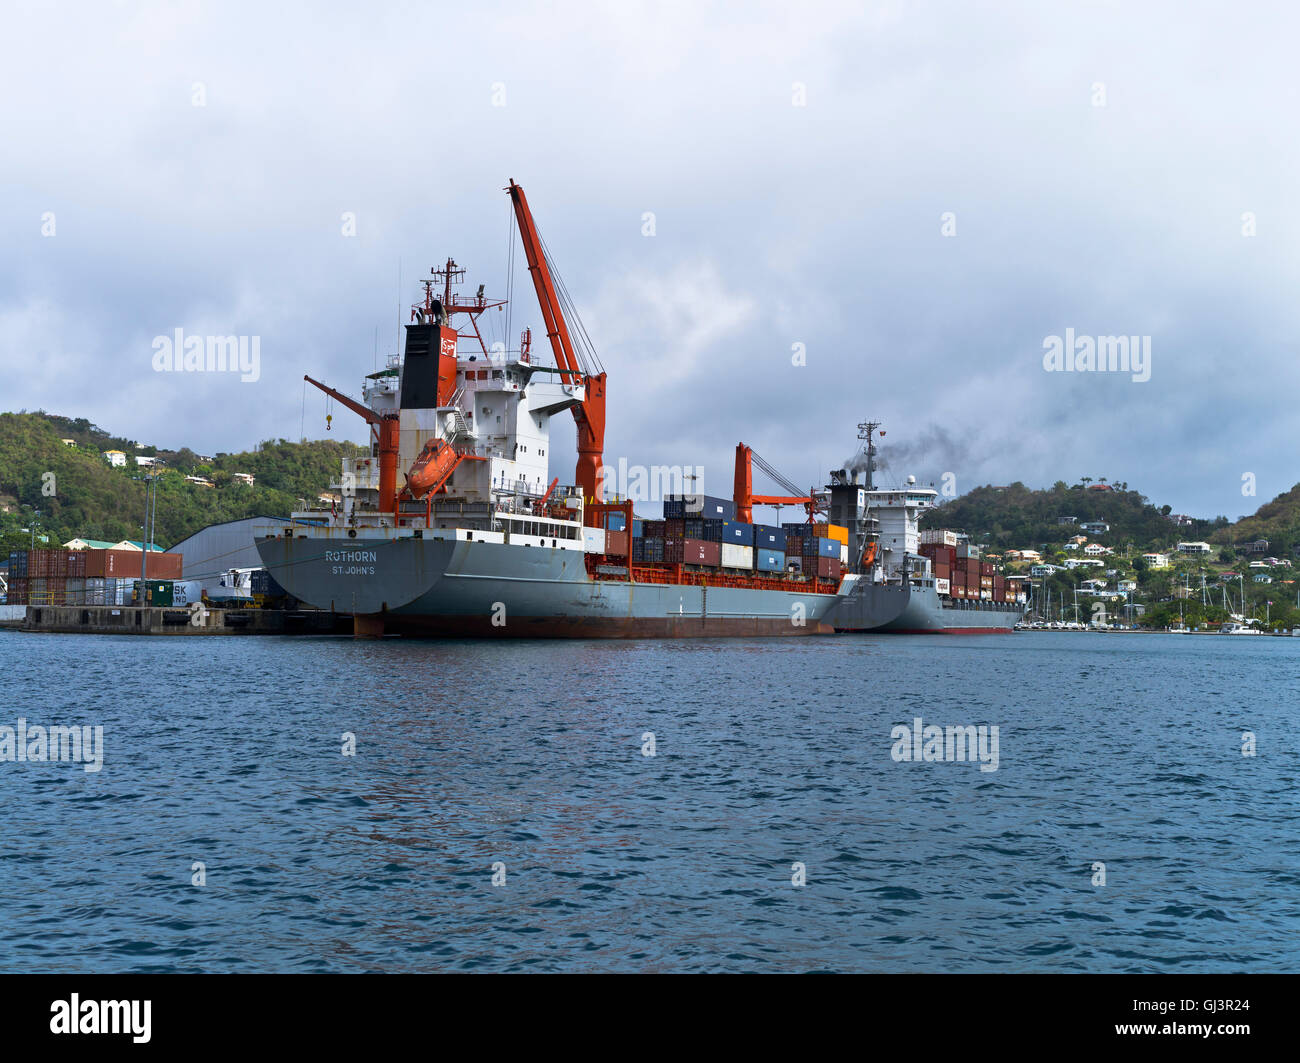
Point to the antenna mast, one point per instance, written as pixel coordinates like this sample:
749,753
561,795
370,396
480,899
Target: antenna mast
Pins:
865,430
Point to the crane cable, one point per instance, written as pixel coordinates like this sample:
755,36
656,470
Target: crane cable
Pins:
584,349
775,476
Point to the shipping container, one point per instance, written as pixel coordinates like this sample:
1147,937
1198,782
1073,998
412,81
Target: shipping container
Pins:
674,528
844,553
616,543
692,552
942,585
839,534
769,537
638,550
828,548
939,536
653,551
615,521
125,564
158,593
711,507
738,533
700,528
737,556
986,568
593,540
638,527
828,567
769,560
937,552
695,505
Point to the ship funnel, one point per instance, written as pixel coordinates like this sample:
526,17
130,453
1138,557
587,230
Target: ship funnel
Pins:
429,365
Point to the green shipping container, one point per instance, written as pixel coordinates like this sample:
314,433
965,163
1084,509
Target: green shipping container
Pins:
159,592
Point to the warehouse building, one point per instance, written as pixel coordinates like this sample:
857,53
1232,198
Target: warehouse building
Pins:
211,553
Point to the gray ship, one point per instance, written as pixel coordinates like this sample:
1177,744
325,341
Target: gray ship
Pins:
476,542
899,591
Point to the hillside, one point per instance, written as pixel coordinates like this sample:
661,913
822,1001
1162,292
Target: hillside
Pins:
94,500
1277,521
1017,516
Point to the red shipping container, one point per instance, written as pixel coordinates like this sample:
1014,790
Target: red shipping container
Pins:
674,528
692,552
616,543
828,567
986,568
125,564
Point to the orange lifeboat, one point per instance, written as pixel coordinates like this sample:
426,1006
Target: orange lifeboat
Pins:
433,468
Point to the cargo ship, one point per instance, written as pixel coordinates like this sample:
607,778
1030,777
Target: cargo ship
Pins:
915,582
477,542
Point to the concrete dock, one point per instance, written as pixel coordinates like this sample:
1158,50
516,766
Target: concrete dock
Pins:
129,620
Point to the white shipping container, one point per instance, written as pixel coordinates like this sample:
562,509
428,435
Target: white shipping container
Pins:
593,540
943,586
939,536
186,591
987,595
844,553
736,556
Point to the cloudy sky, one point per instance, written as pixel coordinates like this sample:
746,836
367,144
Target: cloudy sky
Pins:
919,194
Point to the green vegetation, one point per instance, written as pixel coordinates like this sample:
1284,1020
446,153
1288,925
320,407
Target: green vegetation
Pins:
1277,521
1016,516
94,500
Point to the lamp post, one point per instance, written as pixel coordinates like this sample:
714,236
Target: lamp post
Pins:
146,530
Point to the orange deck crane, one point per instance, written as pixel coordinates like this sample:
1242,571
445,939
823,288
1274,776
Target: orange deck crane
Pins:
386,425
744,496
590,412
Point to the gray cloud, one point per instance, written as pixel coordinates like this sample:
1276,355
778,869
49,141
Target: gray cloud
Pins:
775,224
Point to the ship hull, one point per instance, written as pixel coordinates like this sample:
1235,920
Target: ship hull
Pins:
918,610
451,587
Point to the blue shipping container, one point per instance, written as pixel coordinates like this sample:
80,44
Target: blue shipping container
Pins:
615,522
704,507
828,548
769,561
733,531
768,536
638,526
